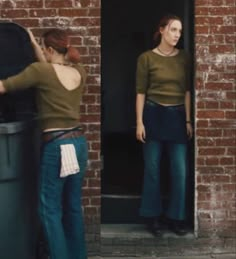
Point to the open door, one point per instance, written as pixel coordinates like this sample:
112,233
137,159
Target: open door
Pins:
127,31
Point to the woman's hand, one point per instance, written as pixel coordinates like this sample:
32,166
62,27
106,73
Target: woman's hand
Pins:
32,38
37,49
140,132
2,89
189,130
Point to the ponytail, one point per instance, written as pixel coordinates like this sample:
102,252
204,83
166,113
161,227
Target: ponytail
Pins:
72,55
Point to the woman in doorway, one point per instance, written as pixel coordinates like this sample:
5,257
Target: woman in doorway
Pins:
59,81
163,121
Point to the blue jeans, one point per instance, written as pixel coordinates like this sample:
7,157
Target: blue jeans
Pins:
60,205
151,203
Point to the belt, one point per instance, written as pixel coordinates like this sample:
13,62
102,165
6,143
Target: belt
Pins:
49,136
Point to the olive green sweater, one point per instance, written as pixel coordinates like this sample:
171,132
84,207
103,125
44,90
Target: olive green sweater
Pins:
57,106
163,79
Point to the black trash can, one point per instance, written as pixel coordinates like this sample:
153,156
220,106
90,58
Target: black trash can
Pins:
19,151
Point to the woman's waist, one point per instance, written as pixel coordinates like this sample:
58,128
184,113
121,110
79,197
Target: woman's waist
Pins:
62,133
166,100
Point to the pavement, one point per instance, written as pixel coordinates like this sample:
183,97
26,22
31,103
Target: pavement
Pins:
212,256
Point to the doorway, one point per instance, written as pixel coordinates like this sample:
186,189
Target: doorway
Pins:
127,31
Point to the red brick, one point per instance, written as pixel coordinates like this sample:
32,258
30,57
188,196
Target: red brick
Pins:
202,123
212,105
57,22
226,142
94,12
42,12
93,155
87,3
203,188
231,152
227,105
90,210
221,29
96,201
215,2
209,133
201,29
94,89
226,161
230,39
216,20
205,141
73,12
221,124
230,114
88,99
96,146
221,49
213,77
21,4
201,10
231,95
76,40
94,127
211,114
14,13
219,86
210,170
211,151
221,10
212,161
94,182
86,21
27,22
58,3
201,2
93,109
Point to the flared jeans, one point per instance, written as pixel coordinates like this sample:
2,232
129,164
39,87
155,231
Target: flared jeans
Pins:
151,202
60,206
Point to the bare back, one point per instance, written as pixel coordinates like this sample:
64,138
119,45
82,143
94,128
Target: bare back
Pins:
69,77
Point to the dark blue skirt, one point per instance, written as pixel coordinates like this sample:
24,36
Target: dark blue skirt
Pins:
165,123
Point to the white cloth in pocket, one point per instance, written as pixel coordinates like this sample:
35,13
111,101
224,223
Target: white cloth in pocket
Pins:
69,161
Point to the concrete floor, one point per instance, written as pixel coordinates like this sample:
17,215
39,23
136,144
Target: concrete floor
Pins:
219,256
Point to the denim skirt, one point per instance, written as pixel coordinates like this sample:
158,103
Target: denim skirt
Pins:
165,123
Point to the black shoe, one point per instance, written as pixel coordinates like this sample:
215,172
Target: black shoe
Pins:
177,226
154,227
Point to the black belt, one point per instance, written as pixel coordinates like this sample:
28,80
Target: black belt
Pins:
52,135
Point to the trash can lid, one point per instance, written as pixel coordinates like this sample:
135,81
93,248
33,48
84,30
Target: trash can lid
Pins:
13,127
22,122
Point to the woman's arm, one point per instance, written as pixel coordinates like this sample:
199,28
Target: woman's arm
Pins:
140,130
37,49
188,114
2,89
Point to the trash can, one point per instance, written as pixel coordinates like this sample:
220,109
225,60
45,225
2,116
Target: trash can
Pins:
19,151
18,185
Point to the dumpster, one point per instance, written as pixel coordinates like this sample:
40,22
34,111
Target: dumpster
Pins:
19,151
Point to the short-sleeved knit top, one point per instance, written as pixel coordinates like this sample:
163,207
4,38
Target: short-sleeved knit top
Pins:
57,106
163,79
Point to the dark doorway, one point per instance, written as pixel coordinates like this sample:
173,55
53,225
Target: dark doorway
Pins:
127,31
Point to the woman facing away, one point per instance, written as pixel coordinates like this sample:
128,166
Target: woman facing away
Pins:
59,80
163,121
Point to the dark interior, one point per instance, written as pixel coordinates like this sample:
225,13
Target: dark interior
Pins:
127,31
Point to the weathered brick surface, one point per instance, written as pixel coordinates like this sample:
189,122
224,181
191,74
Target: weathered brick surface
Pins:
82,19
215,118
215,95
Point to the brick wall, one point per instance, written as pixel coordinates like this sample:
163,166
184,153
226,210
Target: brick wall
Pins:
215,117
82,18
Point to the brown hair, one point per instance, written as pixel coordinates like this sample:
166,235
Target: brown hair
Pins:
59,40
163,22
